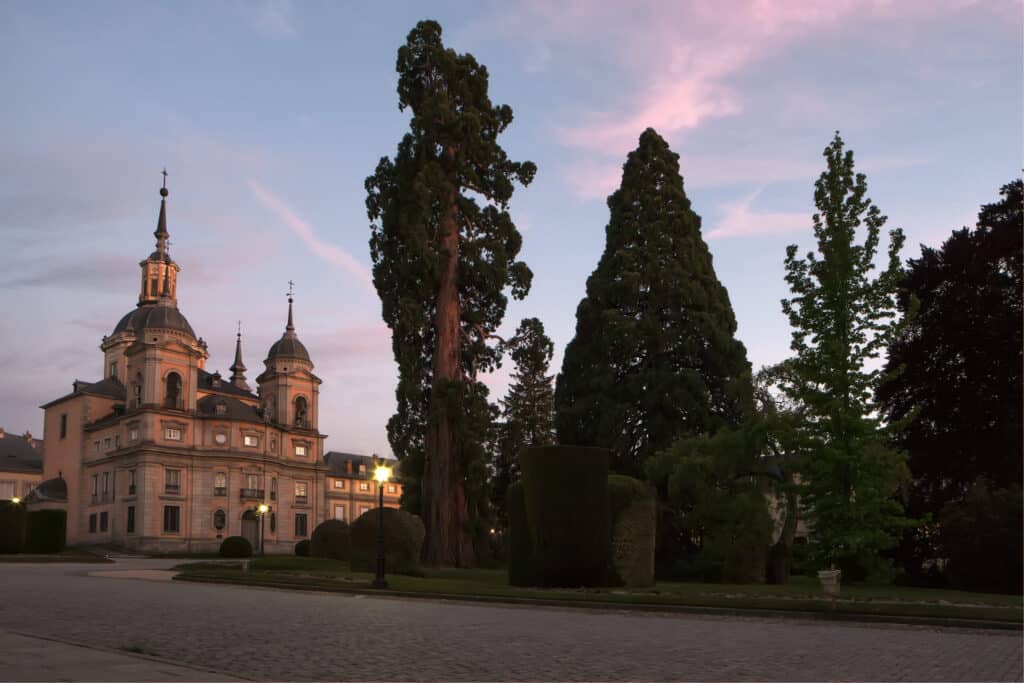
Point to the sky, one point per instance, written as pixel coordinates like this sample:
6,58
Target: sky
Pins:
269,115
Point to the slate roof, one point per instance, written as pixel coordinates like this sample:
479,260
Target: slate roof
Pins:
336,460
110,387
288,346
51,489
19,455
158,316
206,407
205,381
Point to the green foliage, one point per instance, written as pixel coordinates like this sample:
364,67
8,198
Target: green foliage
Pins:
982,538
566,511
528,410
236,546
303,548
403,542
45,531
954,383
444,251
330,539
655,355
12,527
523,568
632,513
842,318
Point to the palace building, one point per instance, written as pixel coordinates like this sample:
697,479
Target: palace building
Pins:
161,455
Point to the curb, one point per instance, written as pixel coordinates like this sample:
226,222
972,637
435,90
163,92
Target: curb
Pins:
854,617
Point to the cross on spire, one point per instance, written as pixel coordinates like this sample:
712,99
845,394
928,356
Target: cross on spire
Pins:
164,174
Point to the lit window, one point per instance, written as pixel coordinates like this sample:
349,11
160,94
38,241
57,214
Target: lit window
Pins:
300,492
339,513
363,509
8,489
133,434
300,450
172,481
251,441
220,484
172,434
339,483
392,488
364,486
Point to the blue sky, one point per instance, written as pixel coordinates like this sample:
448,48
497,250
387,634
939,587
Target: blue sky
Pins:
270,114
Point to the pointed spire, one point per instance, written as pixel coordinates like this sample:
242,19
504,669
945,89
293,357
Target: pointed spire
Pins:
238,367
291,325
161,233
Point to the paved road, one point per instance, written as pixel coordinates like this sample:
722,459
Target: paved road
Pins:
278,635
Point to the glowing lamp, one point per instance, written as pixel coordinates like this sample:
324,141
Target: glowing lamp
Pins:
263,508
382,473
15,500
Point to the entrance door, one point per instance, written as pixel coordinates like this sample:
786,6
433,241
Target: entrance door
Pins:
251,529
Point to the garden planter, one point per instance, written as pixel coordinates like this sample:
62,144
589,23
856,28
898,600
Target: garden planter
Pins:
830,581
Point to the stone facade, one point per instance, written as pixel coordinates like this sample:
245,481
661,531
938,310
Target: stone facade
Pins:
162,456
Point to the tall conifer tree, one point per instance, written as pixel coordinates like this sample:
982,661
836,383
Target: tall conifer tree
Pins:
655,355
444,250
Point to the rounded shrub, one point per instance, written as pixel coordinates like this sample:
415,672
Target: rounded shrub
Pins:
632,512
302,548
330,539
236,546
403,540
45,531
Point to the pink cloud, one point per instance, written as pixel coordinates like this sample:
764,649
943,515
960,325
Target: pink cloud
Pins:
331,253
738,220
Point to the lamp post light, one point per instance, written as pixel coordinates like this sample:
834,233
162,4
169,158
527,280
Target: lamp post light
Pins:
263,510
15,500
381,474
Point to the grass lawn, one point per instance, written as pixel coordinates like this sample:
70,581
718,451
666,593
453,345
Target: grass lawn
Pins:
801,594
67,555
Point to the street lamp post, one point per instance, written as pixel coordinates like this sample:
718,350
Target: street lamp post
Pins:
381,474
263,509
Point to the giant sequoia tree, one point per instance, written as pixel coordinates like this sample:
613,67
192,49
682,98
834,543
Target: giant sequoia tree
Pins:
842,318
654,356
444,251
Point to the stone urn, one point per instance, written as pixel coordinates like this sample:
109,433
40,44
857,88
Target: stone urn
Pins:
830,581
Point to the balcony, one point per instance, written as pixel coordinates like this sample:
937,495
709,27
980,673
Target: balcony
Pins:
301,500
220,490
131,489
173,489
174,403
250,494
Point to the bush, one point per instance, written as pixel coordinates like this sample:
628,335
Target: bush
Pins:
236,546
632,511
12,527
403,541
45,531
330,539
302,548
981,539
565,492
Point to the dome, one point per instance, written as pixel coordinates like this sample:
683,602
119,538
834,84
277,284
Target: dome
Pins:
288,346
155,317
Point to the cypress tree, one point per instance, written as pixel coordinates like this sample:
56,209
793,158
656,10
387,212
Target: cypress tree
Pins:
655,355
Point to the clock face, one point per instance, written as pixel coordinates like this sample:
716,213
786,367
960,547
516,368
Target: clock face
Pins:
221,439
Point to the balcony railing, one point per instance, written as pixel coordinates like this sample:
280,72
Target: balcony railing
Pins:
220,490
301,500
172,403
249,494
172,488
131,489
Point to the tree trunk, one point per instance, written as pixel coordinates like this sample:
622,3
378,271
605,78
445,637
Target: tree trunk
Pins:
445,513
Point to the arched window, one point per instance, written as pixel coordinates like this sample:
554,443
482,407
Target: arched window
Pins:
301,412
137,391
219,520
172,396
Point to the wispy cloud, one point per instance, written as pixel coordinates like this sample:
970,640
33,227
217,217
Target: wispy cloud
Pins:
739,220
272,18
331,253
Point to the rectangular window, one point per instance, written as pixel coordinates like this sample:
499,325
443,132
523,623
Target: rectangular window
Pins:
251,441
301,491
130,524
131,482
392,488
106,444
95,486
63,425
113,370
339,512
300,450
252,481
172,481
133,434
339,484
92,523
172,434
96,446
8,489
363,509
220,484
117,440
106,485
104,520
300,524
172,519
364,486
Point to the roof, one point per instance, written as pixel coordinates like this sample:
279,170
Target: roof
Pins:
18,454
233,409
205,380
51,489
158,316
110,387
336,460
288,346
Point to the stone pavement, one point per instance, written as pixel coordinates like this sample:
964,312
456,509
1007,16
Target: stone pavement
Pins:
267,634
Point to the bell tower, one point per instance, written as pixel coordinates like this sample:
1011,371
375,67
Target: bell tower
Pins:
159,271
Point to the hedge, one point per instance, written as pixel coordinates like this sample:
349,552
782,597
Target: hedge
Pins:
45,531
330,539
236,546
632,512
302,548
522,568
566,504
403,540
12,527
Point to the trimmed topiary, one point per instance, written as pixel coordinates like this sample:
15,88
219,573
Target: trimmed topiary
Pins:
330,539
12,527
522,567
302,548
566,504
632,512
45,531
403,540
236,546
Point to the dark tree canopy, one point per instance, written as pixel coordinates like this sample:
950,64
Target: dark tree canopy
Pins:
956,386
528,411
444,249
655,355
